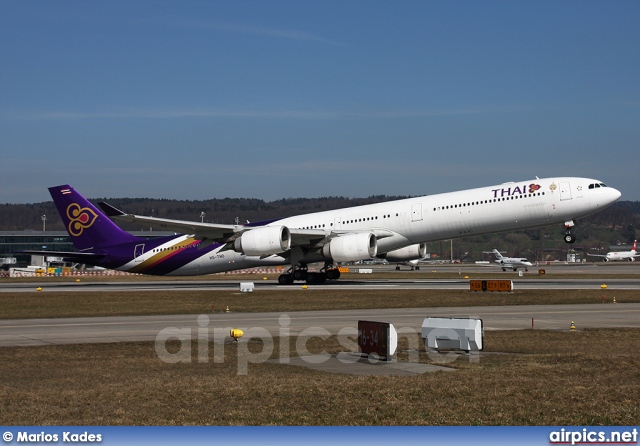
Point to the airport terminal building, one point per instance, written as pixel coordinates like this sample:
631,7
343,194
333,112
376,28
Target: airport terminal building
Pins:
12,242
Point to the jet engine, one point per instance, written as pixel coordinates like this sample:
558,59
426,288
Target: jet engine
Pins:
411,252
263,241
351,247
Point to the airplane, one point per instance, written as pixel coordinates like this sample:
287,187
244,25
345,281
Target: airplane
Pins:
413,264
510,262
620,255
418,255
395,229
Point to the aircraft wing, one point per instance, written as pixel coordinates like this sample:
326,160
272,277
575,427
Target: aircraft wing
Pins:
308,238
319,237
596,255
213,231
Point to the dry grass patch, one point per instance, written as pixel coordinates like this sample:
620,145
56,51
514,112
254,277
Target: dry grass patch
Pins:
590,377
122,303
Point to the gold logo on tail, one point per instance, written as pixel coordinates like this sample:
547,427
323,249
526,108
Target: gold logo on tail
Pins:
79,219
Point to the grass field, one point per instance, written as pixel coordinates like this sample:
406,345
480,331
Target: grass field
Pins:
117,303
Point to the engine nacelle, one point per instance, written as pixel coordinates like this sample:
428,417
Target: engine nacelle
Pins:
351,247
263,241
411,252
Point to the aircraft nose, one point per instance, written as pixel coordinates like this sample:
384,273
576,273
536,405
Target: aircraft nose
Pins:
615,194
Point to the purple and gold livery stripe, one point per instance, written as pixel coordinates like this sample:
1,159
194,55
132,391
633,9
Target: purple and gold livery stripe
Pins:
164,254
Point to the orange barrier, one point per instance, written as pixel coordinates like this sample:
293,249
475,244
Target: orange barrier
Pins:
491,285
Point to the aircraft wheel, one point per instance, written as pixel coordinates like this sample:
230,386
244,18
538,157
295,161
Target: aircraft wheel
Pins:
333,274
285,279
397,267
569,238
300,274
316,278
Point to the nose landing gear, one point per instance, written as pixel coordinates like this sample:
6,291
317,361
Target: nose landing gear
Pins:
568,235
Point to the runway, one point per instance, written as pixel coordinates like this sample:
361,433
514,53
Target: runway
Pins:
568,276
453,284
28,332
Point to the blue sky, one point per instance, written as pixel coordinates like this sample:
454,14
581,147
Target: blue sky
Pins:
277,99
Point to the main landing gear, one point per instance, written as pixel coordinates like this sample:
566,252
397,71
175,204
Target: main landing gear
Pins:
568,235
301,273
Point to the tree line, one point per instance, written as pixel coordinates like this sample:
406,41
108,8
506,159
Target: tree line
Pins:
19,217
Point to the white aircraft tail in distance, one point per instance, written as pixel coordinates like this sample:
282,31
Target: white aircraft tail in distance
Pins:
510,262
394,230
613,256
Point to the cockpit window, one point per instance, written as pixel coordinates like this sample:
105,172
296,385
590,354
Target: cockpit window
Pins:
603,185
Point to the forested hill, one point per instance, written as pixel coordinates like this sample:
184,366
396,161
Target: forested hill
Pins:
615,225
18,217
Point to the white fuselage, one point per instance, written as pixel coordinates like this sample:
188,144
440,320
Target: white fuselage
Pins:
621,255
466,213
513,263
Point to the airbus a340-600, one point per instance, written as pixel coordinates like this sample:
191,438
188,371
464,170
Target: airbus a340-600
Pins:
396,230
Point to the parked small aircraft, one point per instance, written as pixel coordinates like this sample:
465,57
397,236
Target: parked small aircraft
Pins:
510,262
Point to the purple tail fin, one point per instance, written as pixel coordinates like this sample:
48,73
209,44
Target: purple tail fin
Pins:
88,227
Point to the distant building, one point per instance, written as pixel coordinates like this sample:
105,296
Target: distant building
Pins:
13,241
